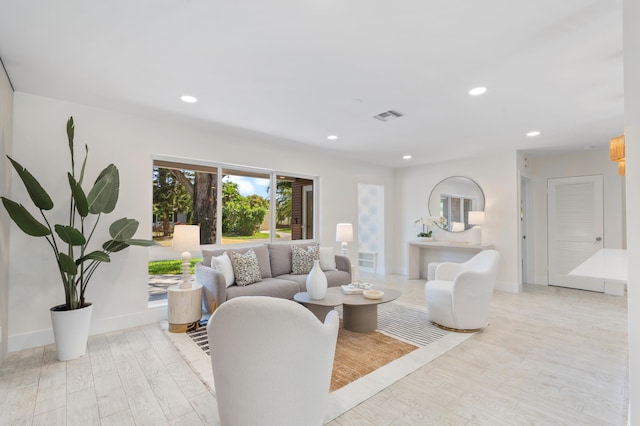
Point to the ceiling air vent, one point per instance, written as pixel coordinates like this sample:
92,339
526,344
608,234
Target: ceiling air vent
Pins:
388,115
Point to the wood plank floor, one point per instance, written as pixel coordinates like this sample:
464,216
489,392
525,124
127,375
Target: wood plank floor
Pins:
549,356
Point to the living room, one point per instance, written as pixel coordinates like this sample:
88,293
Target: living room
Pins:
132,138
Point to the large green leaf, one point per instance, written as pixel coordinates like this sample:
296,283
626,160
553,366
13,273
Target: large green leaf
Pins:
70,134
123,229
104,195
37,193
78,196
114,246
25,221
84,163
67,265
70,235
98,255
141,243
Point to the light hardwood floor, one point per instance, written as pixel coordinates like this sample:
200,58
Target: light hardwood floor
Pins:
549,356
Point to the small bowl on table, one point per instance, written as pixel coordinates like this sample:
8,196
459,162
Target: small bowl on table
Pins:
373,294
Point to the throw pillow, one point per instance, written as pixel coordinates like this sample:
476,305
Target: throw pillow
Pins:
327,259
245,267
223,264
302,260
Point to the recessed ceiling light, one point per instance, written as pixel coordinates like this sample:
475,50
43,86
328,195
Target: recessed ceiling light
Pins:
477,91
533,133
332,137
406,157
189,99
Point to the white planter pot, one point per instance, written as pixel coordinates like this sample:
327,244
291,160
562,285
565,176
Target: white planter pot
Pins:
425,238
71,331
316,282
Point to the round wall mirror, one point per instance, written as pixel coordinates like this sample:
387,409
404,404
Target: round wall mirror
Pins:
453,198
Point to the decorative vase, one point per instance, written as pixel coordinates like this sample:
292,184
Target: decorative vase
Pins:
316,282
71,331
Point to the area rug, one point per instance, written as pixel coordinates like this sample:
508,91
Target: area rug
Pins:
405,341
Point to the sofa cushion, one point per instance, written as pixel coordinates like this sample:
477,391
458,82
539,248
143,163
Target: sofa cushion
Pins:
280,256
302,260
245,267
334,279
223,264
337,277
261,251
274,287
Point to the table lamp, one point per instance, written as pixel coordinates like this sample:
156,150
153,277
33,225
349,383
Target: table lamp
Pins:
476,218
186,238
344,235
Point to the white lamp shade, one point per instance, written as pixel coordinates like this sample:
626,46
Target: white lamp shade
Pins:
344,232
476,218
186,238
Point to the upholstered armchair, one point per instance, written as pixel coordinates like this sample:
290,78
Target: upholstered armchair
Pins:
272,361
460,296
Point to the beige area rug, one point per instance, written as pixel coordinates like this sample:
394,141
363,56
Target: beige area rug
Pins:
366,363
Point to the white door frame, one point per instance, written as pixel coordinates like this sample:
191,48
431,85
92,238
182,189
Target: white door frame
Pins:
526,233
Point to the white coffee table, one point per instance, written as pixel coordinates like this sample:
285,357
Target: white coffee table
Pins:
359,313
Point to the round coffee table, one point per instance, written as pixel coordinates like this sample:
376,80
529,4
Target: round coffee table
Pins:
359,313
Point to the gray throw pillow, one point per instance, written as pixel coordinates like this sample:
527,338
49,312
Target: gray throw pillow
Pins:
245,267
302,260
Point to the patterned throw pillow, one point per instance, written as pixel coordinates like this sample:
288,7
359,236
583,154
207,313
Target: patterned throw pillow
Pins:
245,267
302,260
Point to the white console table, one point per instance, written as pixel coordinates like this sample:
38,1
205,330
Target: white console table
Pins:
441,251
608,264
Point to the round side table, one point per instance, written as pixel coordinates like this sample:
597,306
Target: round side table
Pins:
185,307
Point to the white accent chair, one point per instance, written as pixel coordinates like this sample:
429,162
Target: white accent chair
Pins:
272,361
460,296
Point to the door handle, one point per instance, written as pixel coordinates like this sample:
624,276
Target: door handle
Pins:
598,239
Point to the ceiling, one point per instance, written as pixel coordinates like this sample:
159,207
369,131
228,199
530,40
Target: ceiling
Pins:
303,70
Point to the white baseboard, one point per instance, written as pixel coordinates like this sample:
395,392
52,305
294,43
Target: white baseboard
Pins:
508,286
18,342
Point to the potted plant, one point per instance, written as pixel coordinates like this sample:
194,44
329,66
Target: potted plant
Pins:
426,233
70,242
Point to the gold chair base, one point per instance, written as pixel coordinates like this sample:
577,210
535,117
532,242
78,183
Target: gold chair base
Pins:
456,330
183,328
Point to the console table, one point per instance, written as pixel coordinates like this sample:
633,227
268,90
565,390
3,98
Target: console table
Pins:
442,251
608,264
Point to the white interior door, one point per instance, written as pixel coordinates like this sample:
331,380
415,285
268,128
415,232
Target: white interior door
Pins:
575,228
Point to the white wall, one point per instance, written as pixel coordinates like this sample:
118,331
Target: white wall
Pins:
497,176
580,163
119,290
6,133
631,34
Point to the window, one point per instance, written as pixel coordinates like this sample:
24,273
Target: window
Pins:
456,210
251,210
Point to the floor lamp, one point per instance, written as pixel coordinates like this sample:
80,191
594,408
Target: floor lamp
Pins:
344,235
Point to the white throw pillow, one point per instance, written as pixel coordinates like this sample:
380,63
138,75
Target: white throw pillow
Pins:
327,259
223,264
